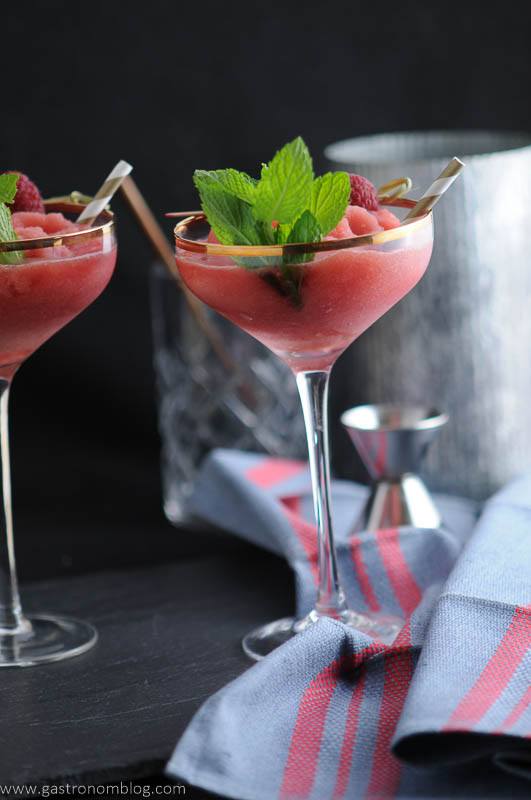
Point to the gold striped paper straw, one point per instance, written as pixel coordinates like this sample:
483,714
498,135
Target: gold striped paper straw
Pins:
105,192
432,195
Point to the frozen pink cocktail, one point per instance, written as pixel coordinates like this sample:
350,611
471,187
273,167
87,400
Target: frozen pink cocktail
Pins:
306,299
50,270
279,269
50,286
342,291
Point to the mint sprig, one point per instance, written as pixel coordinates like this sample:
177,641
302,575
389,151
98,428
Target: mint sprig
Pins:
231,218
8,190
284,189
286,205
305,229
329,199
233,182
8,187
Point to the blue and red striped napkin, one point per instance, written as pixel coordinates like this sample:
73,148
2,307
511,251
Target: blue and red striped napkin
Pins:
443,712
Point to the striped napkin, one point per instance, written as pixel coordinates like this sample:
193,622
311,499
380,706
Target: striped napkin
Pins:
443,712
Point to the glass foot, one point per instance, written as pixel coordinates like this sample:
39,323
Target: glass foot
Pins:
46,638
262,641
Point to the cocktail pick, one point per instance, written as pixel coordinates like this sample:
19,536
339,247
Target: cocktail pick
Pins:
105,192
432,195
396,188
182,213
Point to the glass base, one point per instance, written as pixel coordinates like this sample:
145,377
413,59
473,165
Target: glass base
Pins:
262,641
46,638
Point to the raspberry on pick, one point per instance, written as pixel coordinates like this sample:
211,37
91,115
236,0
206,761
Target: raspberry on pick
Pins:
28,197
363,193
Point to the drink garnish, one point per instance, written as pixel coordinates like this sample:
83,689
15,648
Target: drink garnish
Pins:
287,204
363,193
8,191
28,196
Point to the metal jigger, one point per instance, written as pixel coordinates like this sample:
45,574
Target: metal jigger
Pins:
392,442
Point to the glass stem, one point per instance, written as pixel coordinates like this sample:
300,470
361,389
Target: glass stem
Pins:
313,390
11,617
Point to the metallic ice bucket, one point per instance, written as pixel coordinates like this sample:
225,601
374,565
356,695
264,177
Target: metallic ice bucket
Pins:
461,340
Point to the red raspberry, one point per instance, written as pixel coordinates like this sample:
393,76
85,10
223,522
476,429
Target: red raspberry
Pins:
363,193
28,197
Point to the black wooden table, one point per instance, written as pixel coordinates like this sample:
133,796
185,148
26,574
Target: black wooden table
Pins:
170,612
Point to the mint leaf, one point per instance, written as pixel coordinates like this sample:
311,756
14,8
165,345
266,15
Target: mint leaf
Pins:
306,229
282,232
237,183
8,188
329,199
230,217
284,189
266,232
7,234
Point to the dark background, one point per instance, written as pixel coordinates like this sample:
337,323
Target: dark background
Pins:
171,87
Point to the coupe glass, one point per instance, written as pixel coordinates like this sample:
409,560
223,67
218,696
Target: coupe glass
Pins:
53,280
307,303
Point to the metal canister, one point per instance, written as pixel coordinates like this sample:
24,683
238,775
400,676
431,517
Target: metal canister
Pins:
461,340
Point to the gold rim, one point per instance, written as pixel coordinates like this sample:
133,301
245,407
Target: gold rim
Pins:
380,237
102,231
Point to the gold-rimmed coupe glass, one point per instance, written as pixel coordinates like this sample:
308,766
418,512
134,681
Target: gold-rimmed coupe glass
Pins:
44,283
307,303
